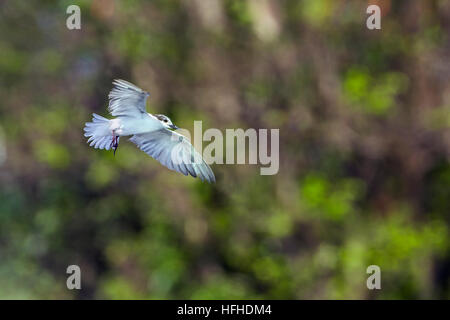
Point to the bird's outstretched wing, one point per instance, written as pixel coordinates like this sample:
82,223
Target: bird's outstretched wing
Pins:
175,152
125,99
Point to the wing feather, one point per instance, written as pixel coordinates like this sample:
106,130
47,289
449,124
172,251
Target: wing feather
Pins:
126,99
175,152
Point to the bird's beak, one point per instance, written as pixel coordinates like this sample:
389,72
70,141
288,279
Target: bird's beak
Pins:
174,127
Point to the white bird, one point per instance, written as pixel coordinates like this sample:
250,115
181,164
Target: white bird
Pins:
151,133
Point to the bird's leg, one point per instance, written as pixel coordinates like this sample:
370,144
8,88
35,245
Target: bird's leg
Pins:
115,142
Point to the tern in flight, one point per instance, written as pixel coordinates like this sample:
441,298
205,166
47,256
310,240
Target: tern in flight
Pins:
153,134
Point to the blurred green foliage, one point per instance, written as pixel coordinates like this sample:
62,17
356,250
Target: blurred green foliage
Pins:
364,142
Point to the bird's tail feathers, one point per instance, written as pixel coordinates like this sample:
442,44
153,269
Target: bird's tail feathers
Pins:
99,132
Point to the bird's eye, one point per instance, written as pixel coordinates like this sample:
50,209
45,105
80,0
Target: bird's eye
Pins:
165,120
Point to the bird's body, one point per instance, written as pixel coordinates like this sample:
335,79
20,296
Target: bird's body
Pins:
126,126
151,133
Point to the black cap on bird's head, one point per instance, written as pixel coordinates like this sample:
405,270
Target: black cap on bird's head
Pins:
166,122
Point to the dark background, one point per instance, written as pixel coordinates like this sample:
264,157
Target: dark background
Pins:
364,176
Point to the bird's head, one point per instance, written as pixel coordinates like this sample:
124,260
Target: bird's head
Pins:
165,121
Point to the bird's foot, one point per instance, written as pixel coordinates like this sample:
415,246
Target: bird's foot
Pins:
115,143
